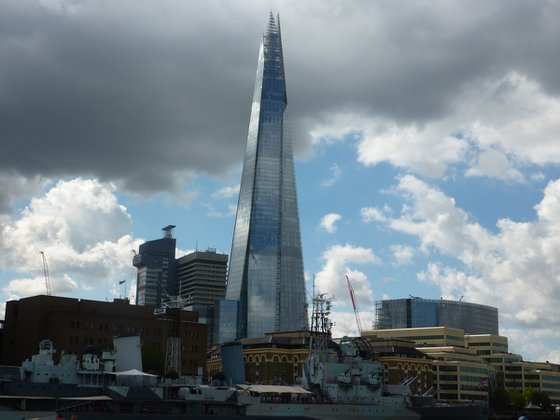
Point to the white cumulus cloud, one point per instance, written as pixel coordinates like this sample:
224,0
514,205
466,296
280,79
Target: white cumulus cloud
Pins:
339,262
372,214
226,192
328,222
403,254
83,232
516,269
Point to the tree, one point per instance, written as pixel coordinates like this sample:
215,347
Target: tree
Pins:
500,400
538,398
518,400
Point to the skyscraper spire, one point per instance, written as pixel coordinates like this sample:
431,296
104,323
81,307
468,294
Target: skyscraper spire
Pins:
266,265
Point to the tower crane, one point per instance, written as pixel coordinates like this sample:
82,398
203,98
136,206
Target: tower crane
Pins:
173,351
355,306
46,272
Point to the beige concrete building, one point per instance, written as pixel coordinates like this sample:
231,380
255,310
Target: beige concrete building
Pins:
467,366
511,371
459,374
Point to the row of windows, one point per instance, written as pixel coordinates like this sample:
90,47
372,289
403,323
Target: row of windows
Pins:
423,337
262,358
465,387
477,379
87,340
455,338
488,344
406,367
473,369
127,329
514,384
555,378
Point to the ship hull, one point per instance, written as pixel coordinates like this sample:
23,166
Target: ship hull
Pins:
455,412
333,411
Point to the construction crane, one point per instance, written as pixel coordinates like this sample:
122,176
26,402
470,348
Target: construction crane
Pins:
46,272
173,352
355,306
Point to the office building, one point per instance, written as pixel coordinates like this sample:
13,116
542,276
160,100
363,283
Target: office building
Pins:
416,312
467,366
155,262
201,277
458,372
201,280
266,265
74,324
512,372
487,344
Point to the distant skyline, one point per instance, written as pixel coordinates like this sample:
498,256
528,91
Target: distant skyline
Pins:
426,139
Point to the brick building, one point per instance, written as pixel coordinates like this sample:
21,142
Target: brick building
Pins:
72,324
278,358
401,360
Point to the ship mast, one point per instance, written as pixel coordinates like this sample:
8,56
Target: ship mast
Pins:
321,325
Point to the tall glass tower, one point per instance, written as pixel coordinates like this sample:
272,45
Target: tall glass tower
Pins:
266,266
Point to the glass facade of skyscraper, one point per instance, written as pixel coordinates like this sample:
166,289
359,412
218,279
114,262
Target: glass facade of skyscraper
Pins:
472,318
156,272
266,266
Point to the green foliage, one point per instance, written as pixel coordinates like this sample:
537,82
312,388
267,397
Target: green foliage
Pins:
500,400
503,400
153,361
537,398
517,399
528,394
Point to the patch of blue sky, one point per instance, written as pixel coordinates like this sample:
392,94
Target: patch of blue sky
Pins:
195,228
488,200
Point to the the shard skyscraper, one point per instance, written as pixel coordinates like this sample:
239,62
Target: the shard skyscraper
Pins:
265,275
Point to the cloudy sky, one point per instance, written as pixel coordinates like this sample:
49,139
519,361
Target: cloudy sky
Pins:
426,137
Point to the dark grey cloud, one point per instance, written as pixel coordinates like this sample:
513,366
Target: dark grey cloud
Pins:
126,94
409,60
146,93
